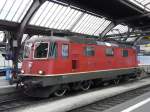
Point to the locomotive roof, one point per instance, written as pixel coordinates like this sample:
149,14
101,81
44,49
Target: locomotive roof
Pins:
69,39
46,38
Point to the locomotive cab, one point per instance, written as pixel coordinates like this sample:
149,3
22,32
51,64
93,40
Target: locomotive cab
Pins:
38,57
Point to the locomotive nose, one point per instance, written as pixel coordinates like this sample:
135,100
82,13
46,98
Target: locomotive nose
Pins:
36,67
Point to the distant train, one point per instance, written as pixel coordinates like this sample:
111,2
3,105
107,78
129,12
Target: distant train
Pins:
53,65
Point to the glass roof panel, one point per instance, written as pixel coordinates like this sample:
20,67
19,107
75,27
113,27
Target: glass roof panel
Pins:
73,19
55,16
94,25
69,22
118,29
14,10
56,10
145,4
6,9
91,29
102,27
36,16
87,25
62,19
79,24
84,24
49,11
91,25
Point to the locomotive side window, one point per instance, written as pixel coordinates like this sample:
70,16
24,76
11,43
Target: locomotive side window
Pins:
41,50
109,52
125,53
65,50
53,49
89,51
27,50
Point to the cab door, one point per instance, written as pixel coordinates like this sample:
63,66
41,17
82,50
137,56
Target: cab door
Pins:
75,57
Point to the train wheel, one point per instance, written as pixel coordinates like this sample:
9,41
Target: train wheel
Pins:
85,85
61,91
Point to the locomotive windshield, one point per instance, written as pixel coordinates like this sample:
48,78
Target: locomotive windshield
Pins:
41,50
53,49
27,50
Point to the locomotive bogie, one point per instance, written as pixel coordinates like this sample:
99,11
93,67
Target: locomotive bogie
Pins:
49,84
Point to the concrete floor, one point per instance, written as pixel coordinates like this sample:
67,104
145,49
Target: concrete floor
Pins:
3,81
5,87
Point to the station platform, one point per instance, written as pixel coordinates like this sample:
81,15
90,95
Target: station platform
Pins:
5,87
138,104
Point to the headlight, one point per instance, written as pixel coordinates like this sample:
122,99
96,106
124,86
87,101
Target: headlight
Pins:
22,71
40,72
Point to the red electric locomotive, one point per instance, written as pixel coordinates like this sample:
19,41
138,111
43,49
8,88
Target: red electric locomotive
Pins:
55,64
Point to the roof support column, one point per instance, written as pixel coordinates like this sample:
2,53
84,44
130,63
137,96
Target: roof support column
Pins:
16,43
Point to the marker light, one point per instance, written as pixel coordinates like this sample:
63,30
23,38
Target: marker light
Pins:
40,72
22,71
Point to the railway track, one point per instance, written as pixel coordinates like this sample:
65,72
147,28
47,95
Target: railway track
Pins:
113,101
14,101
11,101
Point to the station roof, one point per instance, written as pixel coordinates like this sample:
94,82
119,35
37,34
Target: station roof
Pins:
145,4
121,11
78,16
53,15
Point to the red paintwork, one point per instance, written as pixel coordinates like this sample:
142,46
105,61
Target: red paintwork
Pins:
59,65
